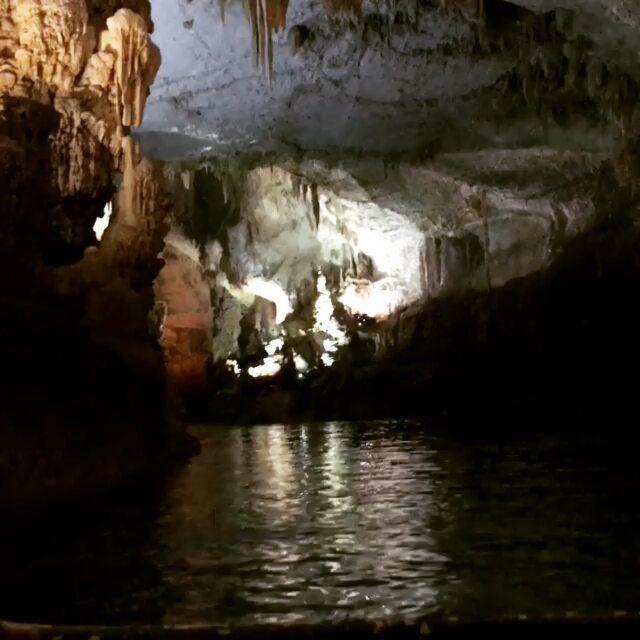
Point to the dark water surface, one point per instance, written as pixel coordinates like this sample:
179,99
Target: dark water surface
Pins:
328,521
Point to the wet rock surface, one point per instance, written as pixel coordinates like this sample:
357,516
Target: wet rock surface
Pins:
427,164
402,249
83,389
397,77
367,207
332,210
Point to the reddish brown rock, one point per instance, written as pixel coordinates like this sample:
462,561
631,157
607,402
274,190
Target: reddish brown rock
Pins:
188,319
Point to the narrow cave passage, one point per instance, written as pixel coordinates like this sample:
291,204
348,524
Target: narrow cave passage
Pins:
318,317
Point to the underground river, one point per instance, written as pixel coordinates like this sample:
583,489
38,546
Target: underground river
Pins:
325,522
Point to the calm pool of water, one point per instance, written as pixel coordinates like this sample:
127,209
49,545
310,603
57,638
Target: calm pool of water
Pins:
329,521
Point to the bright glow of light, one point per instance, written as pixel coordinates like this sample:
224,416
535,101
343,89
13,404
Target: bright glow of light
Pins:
271,291
327,359
213,255
266,289
233,366
101,224
243,297
302,366
273,346
269,367
376,300
325,322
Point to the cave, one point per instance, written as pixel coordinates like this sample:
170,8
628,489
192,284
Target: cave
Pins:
318,318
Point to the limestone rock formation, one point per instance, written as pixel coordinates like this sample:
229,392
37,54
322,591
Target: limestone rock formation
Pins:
86,383
186,322
97,82
394,154
401,76
347,177
308,259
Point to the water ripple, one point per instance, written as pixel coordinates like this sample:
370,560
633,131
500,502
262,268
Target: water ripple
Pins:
320,523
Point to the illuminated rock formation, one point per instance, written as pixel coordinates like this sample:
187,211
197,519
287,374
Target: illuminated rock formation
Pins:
97,82
93,86
457,143
412,151
186,315
359,249
74,77
403,76
266,17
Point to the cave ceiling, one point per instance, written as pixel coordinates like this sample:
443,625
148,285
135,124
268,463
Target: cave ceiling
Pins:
391,77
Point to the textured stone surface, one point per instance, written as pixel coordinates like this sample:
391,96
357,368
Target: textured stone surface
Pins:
85,389
388,238
187,316
429,79
414,150
97,82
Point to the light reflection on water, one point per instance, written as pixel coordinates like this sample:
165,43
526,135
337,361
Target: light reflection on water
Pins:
322,522
310,521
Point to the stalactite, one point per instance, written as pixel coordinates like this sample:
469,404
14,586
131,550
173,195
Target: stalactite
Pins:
138,63
49,42
97,82
564,79
222,4
270,16
315,204
486,238
353,7
267,17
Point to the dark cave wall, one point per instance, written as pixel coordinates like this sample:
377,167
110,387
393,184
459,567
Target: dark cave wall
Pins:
84,403
556,349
